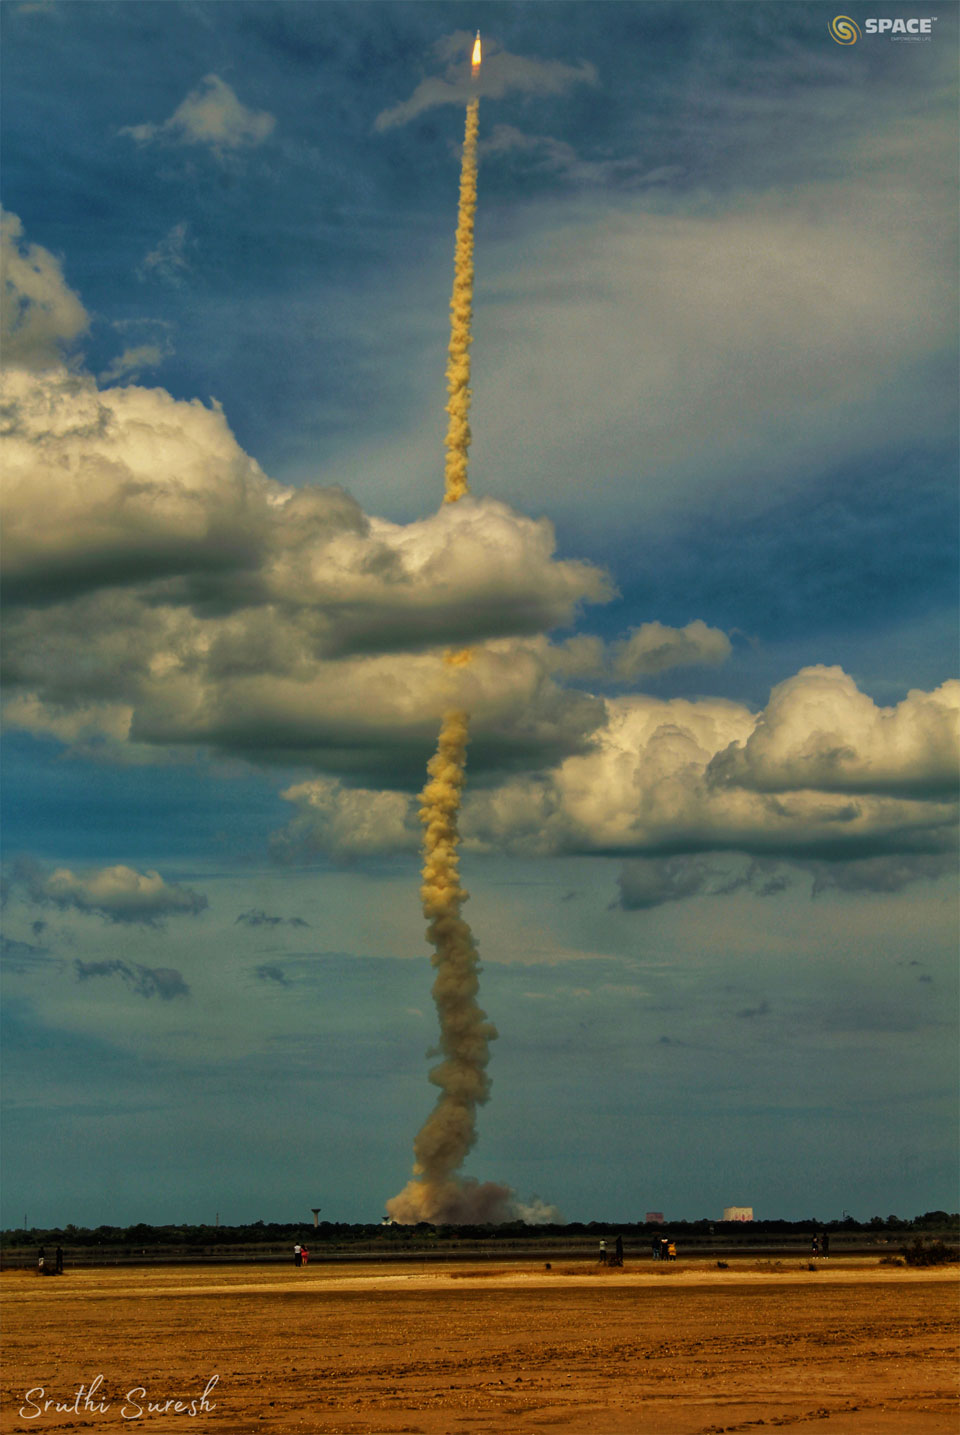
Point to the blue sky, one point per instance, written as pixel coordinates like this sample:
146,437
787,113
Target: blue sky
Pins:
708,571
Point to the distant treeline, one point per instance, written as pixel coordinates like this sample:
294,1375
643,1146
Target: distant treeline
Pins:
341,1233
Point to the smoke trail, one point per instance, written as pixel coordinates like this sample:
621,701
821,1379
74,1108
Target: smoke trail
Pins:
461,316
435,1193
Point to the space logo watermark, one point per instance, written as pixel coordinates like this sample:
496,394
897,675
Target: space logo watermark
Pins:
890,27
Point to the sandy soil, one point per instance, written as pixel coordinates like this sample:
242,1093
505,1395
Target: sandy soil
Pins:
687,1349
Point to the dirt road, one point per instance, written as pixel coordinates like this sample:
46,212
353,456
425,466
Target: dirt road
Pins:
847,1349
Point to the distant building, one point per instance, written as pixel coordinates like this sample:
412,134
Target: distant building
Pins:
654,1218
738,1213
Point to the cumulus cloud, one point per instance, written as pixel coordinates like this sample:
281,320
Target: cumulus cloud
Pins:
165,594
164,982
645,783
650,649
651,785
500,74
653,648
39,313
121,894
117,487
163,590
820,732
346,822
256,685
211,115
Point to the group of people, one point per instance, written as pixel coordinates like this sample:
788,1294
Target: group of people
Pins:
300,1255
663,1249
614,1257
820,1245
46,1269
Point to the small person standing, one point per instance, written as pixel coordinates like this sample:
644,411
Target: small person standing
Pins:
304,1254
298,1254
603,1253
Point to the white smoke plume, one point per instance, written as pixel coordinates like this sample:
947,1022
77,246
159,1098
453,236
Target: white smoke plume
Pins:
436,1192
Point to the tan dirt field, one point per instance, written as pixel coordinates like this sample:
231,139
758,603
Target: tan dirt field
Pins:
850,1348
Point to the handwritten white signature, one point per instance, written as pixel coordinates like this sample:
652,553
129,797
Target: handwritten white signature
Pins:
89,1399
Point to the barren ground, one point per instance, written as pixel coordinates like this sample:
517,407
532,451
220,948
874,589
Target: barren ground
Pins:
851,1348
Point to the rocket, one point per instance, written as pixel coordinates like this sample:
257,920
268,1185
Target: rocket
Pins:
475,58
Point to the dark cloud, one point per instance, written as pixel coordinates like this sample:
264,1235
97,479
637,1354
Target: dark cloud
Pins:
751,1012
651,881
165,982
879,874
258,918
20,956
271,972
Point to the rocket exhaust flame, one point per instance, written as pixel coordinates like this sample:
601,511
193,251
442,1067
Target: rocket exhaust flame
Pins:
475,58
